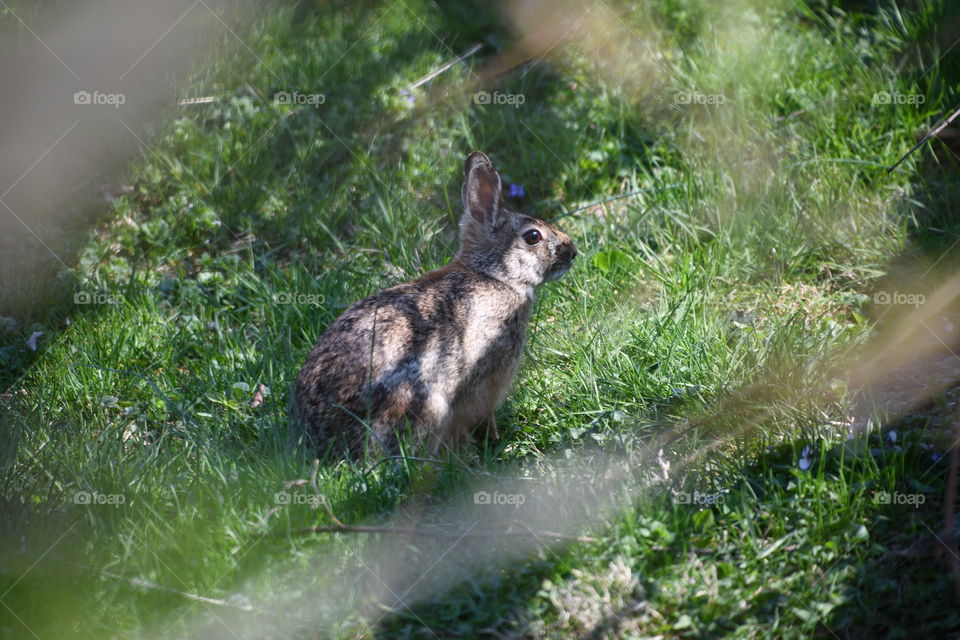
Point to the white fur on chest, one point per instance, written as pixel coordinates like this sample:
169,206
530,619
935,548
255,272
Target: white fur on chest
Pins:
494,329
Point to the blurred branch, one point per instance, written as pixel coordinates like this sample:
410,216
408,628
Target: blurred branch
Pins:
930,134
152,586
433,74
445,535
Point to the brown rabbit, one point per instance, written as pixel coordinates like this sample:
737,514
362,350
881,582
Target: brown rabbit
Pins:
437,355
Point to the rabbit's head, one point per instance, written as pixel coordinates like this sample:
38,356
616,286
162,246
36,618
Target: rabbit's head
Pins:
514,248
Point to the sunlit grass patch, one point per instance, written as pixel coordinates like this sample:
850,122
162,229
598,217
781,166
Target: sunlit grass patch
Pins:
697,352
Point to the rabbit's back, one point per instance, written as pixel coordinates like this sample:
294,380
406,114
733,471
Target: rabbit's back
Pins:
436,354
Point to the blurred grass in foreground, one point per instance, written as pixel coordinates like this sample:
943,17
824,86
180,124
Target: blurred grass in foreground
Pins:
719,316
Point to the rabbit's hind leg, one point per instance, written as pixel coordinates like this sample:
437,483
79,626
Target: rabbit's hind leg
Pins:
491,428
436,425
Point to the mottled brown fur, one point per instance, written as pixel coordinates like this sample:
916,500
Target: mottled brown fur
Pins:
437,355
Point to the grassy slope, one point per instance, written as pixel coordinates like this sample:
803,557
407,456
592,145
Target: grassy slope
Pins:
740,276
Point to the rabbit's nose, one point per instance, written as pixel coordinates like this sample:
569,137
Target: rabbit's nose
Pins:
573,251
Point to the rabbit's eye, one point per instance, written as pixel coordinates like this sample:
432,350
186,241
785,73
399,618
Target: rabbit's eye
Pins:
532,237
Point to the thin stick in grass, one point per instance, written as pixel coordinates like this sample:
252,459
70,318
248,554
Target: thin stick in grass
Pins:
436,72
444,535
930,134
152,586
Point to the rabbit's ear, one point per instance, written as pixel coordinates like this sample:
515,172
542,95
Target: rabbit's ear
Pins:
481,190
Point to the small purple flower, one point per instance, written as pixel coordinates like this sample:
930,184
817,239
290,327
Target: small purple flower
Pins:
409,96
516,191
32,340
806,459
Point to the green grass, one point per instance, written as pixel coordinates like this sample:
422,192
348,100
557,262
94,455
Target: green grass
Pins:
712,316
